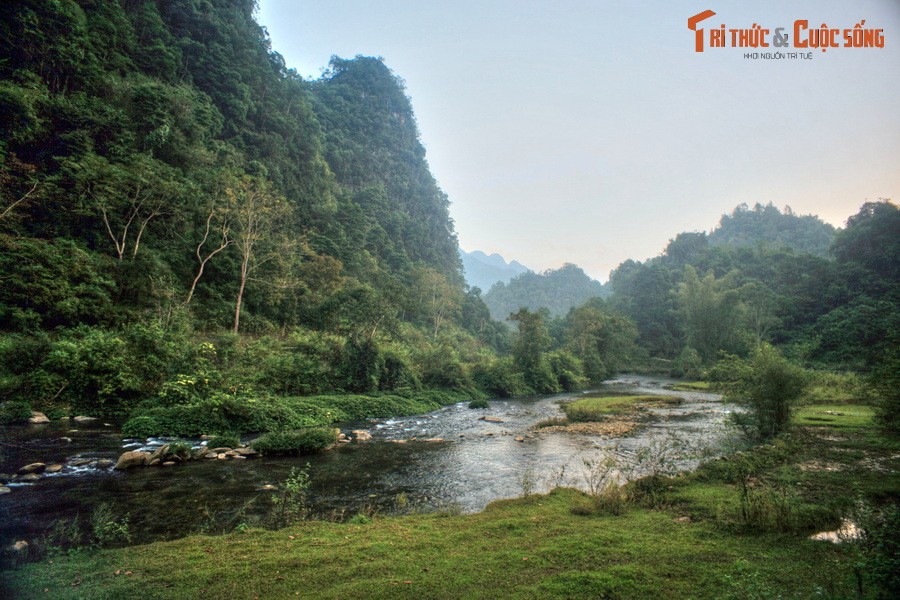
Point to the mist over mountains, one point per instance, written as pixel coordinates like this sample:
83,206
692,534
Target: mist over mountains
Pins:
483,271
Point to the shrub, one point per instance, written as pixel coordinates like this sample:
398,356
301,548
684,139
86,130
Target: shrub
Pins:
289,502
568,370
301,441
141,427
500,378
14,411
768,385
228,440
108,531
480,403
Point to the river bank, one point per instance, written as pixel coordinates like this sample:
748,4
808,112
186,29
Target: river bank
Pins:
476,462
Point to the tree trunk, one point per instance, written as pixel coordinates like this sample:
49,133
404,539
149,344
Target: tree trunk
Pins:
240,296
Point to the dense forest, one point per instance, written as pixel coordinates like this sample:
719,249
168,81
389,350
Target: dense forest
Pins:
557,290
196,239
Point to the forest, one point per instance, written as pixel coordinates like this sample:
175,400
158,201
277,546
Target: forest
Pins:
196,238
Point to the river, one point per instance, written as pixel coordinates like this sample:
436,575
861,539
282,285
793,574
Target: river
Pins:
477,462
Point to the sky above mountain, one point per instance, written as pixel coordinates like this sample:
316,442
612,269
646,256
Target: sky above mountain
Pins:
591,132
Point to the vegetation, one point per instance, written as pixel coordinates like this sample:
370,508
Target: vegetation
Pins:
767,384
301,441
598,408
537,546
556,290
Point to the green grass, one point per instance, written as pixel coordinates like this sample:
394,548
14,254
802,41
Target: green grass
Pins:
589,408
527,548
840,416
691,386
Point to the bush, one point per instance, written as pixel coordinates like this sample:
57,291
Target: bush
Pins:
301,441
141,427
289,502
767,384
229,440
480,403
14,411
499,378
568,370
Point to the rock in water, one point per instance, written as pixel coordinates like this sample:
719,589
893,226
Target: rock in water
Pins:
53,469
38,418
135,458
83,419
491,419
4,490
32,468
361,435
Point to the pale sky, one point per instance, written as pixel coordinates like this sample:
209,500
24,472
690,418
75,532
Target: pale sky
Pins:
591,132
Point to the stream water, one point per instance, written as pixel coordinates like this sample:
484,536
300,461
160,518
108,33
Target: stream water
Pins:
478,462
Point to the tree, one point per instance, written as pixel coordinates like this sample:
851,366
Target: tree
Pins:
259,231
528,350
218,221
767,384
711,312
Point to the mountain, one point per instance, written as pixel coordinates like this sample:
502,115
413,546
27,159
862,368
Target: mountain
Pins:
765,224
556,290
483,271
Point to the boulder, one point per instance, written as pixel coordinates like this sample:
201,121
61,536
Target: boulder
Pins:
135,458
4,490
32,468
159,453
20,546
361,435
169,463
153,462
29,478
221,450
211,455
53,469
79,462
491,419
222,456
433,440
38,418
519,438
81,419
245,451
683,520
105,463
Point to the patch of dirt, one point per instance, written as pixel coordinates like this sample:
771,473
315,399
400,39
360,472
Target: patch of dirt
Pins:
815,465
617,428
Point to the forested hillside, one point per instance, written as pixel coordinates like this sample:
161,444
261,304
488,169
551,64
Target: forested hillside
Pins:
705,295
557,290
768,226
167,179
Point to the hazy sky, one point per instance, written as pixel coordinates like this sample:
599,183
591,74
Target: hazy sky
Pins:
591,132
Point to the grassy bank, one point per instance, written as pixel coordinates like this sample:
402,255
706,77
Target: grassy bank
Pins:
547,546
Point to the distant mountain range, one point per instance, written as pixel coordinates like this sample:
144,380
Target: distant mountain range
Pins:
484,271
